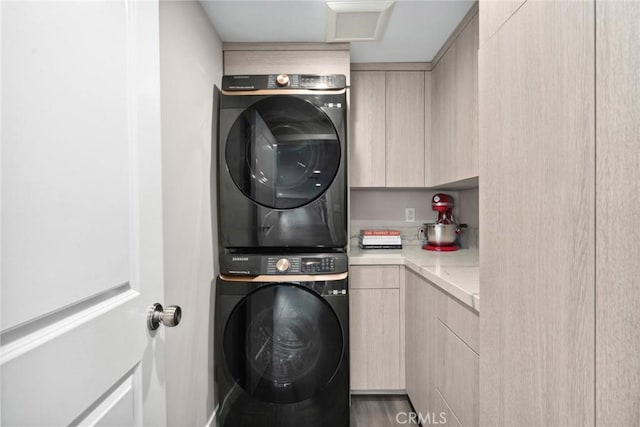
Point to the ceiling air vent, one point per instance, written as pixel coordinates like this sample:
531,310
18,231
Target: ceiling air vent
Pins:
356,20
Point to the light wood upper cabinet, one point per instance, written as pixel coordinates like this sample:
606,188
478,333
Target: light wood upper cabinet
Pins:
292,58
367,157
405,129
442,118
454,104
465,161
427,128
388,129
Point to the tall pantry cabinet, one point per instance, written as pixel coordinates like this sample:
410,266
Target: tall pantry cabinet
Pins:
617,213
559,157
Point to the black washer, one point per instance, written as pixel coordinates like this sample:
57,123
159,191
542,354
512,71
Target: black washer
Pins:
282,353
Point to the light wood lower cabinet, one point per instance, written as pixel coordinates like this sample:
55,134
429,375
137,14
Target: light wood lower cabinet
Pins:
420,326
376,330
442,360
374,277
458,375
444,413
461,319
408,334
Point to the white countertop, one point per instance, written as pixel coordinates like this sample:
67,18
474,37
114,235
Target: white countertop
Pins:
454,272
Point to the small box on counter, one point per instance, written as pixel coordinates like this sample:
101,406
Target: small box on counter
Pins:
380,239
368,246
379,232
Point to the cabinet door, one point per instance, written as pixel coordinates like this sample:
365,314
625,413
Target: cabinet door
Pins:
442,118
267,58
427,129
537,139
462,320
454,127
405,129
420,341
494,13
464,163
444,414
374,322
374,277
618,184
366,160
458,375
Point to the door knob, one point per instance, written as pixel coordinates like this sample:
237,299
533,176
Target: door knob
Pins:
169,316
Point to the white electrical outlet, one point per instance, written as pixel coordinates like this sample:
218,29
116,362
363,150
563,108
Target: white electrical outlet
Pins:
410,214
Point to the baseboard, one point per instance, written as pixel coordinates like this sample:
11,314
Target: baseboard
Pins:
376,392
212,418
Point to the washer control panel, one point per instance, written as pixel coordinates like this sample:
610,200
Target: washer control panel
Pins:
283,264
307,264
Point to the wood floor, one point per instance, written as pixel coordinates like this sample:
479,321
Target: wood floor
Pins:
379,411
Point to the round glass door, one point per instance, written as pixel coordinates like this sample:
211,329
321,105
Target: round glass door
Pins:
283,343
283,152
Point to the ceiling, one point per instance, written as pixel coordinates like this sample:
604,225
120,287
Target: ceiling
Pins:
416,29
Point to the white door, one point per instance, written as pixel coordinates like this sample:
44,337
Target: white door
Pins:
81,214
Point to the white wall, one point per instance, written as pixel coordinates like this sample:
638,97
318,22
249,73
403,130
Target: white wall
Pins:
386,208
389,205
191,63
467,207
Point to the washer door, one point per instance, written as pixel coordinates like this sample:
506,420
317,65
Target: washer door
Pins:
283,344
282,152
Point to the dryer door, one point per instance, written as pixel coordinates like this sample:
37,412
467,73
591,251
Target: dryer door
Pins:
283,152
283,343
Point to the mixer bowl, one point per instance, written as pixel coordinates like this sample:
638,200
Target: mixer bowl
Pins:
441,234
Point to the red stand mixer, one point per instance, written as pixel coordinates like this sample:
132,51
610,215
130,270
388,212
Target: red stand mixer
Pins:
441,235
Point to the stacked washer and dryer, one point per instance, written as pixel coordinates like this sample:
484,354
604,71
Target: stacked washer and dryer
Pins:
282,309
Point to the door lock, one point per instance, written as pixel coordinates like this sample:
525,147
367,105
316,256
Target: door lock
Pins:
169,317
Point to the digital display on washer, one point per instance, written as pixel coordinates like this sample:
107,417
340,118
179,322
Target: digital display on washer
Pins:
317,265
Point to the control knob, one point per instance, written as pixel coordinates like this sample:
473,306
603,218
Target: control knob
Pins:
282,80
282,265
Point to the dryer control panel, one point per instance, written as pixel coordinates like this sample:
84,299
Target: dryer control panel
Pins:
284,81
283,264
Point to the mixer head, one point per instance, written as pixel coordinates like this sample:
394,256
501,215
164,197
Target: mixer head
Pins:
442,202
